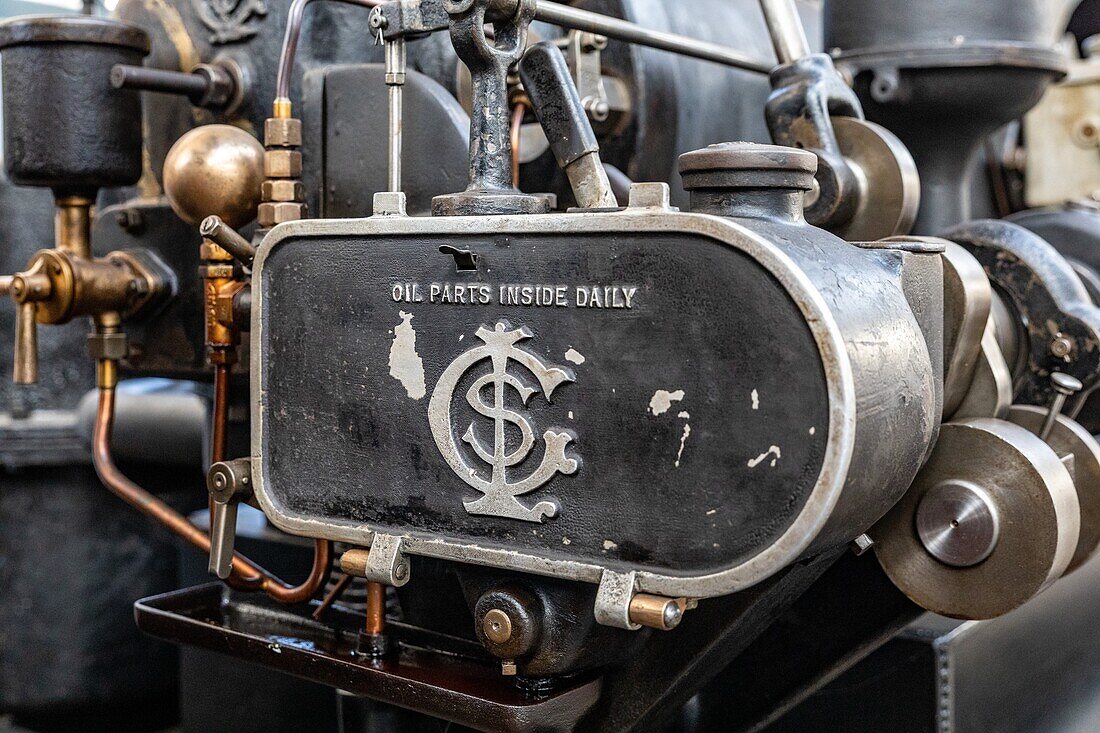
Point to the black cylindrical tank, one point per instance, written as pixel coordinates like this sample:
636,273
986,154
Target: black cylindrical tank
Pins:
65,127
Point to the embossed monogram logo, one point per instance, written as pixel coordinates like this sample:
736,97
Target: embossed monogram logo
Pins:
228,19
498,495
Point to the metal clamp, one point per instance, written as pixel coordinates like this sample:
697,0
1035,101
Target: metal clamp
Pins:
383,563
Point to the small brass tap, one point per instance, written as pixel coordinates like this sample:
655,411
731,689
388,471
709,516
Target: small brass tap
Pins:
66,282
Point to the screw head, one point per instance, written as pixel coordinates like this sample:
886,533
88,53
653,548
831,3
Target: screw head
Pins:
497,626
673,614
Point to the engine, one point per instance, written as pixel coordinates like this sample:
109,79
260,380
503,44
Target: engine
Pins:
533,366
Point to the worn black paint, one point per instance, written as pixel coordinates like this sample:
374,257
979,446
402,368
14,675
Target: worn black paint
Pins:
83,134
343,441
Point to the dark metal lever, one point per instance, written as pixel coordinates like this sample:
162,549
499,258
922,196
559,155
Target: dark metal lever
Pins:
210,86
557,105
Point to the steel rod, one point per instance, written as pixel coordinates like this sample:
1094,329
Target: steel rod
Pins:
785,28
396,61
622,30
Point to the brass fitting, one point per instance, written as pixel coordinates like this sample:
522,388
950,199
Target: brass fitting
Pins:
282,193
223,278
67,282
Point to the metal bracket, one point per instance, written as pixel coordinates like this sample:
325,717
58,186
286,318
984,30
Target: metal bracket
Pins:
612,607
651,196
389,203
386,563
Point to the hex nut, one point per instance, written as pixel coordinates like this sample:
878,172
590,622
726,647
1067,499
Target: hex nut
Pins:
107,346
282,190
271,213
282,163
282,132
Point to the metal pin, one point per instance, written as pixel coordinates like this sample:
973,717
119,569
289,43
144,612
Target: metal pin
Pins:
1064,386
396,58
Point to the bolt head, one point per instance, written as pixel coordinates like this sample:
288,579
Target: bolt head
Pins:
497,626
673,614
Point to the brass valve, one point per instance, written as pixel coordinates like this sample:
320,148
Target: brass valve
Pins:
67,282
233,160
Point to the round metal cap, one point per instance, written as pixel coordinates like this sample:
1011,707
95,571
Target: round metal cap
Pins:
1034,536
745,164
958,523
35,29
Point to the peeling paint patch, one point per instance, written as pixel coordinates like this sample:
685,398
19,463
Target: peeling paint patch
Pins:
608,546
406,366
755,400
574,356
683,440
771,451
683,414
662,400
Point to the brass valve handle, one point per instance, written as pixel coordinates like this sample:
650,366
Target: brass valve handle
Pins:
27,289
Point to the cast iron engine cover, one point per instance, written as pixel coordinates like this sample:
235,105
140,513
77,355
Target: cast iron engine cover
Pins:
695,424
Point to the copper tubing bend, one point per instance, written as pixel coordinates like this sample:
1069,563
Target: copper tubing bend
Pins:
246,574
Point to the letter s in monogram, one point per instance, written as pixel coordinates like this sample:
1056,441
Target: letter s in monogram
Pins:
498,496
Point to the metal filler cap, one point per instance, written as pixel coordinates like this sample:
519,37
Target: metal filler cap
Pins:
748,165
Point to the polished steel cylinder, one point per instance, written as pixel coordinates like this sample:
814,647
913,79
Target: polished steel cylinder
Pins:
785,28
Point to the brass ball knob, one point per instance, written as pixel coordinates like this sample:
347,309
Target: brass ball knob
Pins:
215,169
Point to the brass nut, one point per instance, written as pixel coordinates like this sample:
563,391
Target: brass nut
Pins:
210,251
276,212
221,354
217,272
282,133
282,164
107,346
282,190
497,626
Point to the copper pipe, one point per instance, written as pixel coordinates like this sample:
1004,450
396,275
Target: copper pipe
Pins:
219,434
331,597
376,609
322,559
517,127
218,440
247,574
141,499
